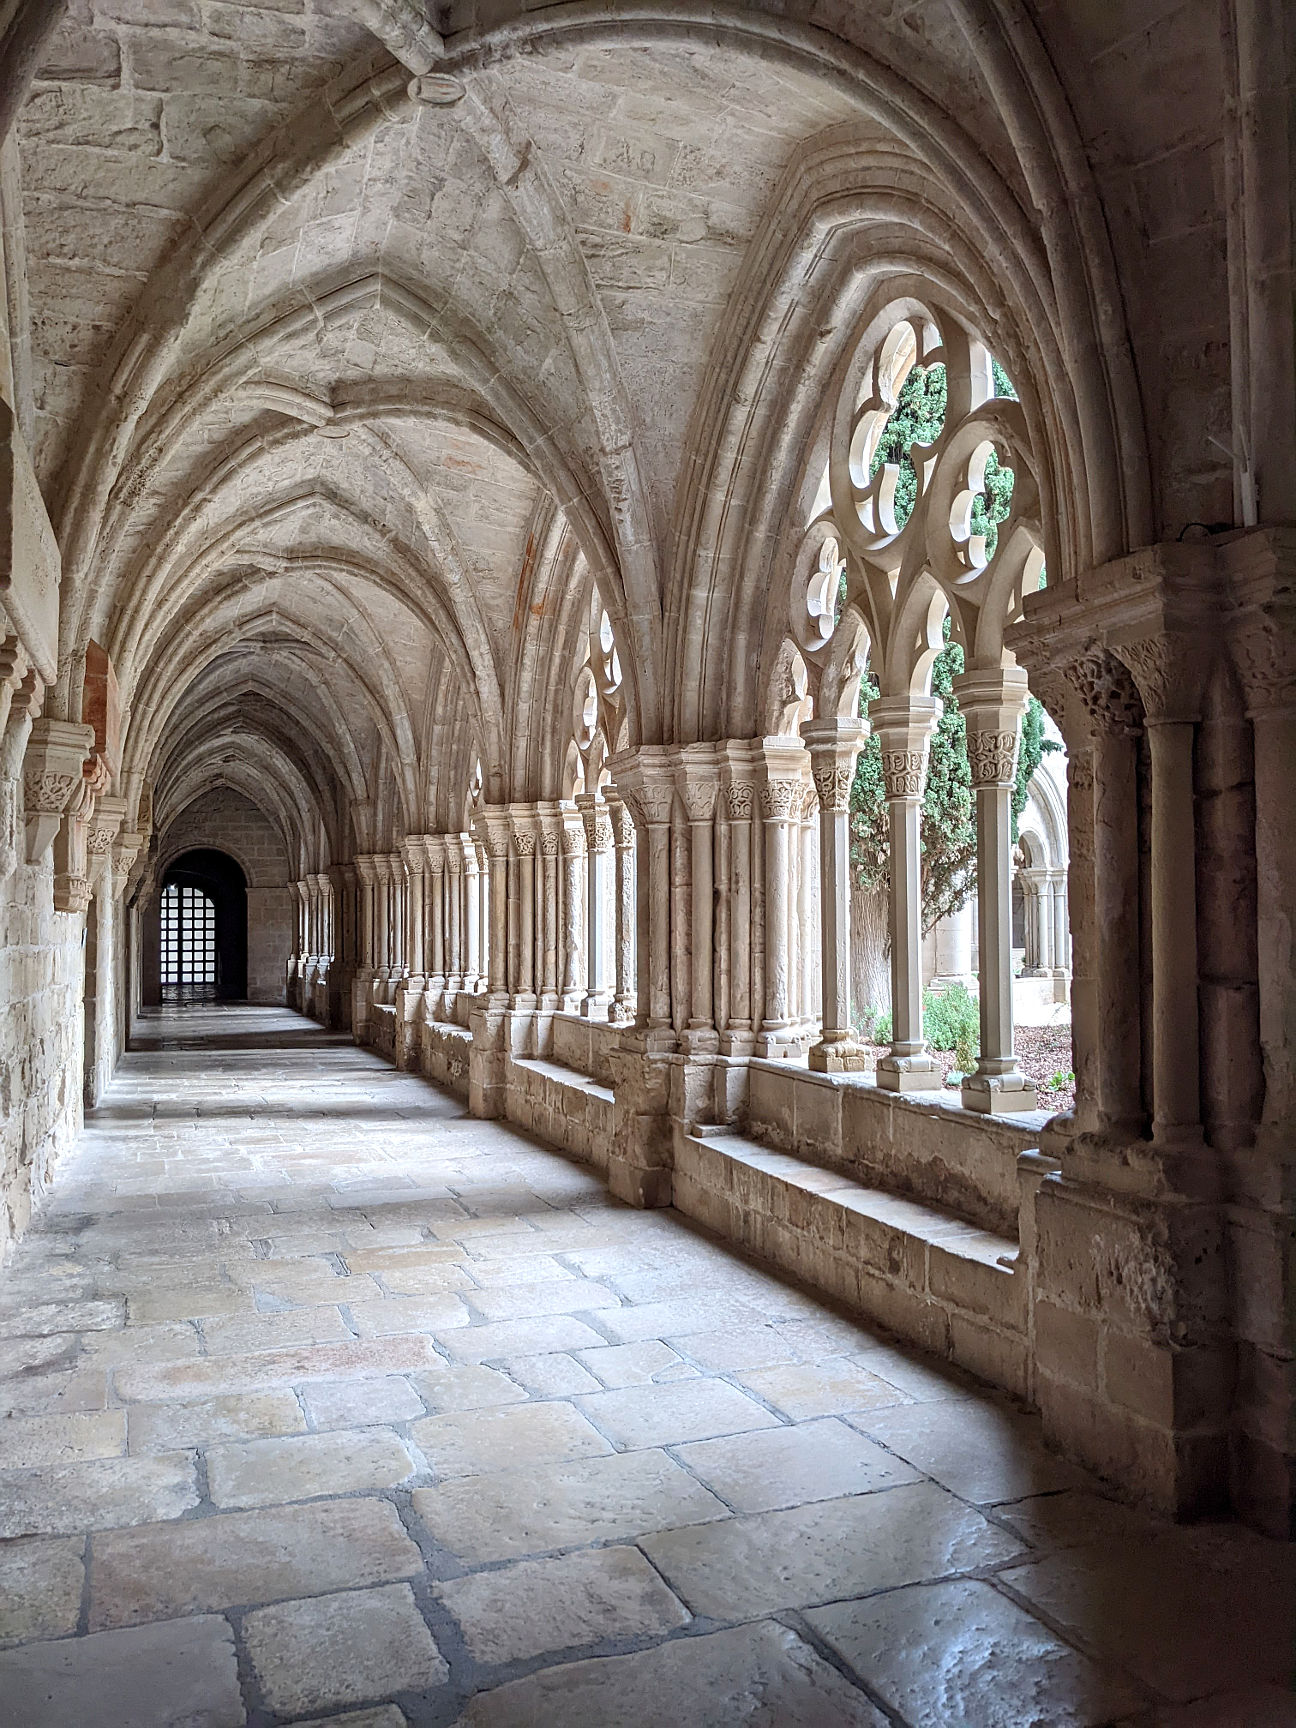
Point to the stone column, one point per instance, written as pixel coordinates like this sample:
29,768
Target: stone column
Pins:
1038,920
551,833
1059,955
573,903
904,725
472,914
699,788
409,994
622,1011
781,768
993,704
1168,673
808,938
598,845
434,918
522,826
494,832
366,970
834,747
454,914
382,915
741,1011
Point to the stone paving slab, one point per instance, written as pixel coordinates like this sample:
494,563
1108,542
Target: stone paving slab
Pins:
964,1655
342,1649
182,1671
538,1606
40,1589
97,1495
236,1558
594,1500
824,1552
753,1677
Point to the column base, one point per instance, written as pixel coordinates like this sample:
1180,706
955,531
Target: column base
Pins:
838,1056
910,1073
998,1094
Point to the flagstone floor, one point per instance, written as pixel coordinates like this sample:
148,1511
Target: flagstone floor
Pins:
322,1401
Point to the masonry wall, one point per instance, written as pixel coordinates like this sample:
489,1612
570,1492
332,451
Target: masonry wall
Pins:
232,823
41,1040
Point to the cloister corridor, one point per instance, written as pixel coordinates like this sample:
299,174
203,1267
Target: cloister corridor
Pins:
323,1401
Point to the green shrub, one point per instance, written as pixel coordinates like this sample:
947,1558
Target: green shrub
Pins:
965,1052
951,1015
882,1029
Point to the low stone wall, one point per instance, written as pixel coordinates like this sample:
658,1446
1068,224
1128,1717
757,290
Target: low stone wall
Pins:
382,1029
584,1045
566,1108
443,1054
914,1144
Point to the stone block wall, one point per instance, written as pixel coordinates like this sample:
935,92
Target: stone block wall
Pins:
229,822
41,1041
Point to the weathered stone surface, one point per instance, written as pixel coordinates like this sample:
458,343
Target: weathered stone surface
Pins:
827,1388
363,1402
825,1551
169,1427
35,1441
561,1604
775,1467
985,1454
1189,1613
342,1649
961,1653
761,1676
595,1500
183,1671
240,1557
476,1442
300,1467
40,1589
235,1374
663,1415
98,1495
465,1387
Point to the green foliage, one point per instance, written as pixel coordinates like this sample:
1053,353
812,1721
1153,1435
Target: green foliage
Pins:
950,1016
965,1052
948,827
882,1029
918,418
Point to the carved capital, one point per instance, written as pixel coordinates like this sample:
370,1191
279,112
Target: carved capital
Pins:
1169,672
832,784
71,893
780,799
992,757
739,795
903,772
1107,692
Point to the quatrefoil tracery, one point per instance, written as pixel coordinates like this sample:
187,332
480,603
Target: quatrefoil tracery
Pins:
911,529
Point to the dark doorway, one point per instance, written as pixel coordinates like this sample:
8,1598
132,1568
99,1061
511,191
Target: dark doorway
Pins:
203,917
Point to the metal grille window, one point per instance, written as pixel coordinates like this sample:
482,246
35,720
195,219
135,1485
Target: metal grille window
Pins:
188,939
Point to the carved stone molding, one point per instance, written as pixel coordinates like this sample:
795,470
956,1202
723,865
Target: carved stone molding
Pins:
992,757
1169,672
53,776
779,799
738,800
833,787
1107,692
71,893
903,773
